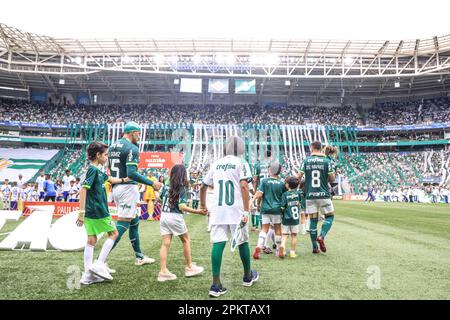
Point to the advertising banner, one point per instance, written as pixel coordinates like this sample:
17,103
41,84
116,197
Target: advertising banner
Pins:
159,159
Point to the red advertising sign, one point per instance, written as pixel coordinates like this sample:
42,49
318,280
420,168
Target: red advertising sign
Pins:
61,208
159,159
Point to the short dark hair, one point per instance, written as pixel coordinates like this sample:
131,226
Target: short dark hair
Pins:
94,148
67,170
316,145
292,182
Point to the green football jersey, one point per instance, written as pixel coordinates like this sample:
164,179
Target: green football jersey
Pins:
272,190
290,203
164,195
334,162
261,170
316,170
183,199
96,201
122,153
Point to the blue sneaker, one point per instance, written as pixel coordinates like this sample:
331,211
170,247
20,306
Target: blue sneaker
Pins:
248,281
216,291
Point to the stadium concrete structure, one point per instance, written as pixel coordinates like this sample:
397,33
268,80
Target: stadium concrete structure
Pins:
286,70
359,75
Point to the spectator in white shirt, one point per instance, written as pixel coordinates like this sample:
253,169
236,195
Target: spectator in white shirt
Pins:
66,184
40,183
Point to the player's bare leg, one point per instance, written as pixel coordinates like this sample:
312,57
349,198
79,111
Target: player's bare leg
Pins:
278,235
293,254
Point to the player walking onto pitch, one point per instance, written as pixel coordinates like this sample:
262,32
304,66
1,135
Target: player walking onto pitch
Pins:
230,177
269,194
123,162
172,223
318,171
94,214
290,206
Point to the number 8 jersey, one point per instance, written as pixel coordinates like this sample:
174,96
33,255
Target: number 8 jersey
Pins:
316,170
225,175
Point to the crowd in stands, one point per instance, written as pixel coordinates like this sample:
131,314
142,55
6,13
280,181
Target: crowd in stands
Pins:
387,113
155,114
405,113
396,170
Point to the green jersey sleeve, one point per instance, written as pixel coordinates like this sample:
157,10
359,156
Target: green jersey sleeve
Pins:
302,167
283,201
90,177
261,185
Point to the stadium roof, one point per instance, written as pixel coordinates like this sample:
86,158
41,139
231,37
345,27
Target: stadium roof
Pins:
148,66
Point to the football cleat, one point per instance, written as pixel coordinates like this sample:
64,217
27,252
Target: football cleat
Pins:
99,270
248,281
316,250
321,242
193,270
86,278
145,260
281,252
166,276
217,291
267,250
257,253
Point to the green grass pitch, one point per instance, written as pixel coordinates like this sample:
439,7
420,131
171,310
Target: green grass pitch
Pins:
409,243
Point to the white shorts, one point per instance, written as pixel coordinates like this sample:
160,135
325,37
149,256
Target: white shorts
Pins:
172,223
322,206
290,229
222,232
271,218
126,198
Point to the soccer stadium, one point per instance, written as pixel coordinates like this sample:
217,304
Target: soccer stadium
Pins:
289,167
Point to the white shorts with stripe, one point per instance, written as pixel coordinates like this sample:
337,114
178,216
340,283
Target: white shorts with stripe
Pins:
126,198
322,206
222,232
271,218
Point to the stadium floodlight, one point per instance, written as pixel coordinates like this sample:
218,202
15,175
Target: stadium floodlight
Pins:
78,60
397,84
287,82
62,81
159,59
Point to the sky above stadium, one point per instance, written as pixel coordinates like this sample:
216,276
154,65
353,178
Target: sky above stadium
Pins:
282,19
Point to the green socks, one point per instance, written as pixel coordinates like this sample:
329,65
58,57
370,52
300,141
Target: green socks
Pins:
326,225
122,227
134,238
253,221
313,232
244,253
216,260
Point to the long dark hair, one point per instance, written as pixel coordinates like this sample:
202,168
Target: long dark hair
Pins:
178,181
